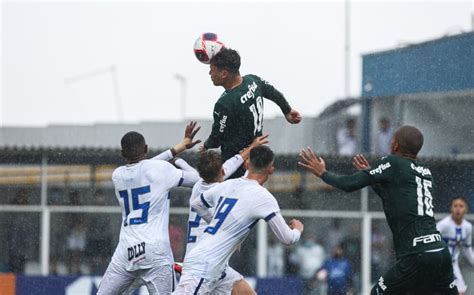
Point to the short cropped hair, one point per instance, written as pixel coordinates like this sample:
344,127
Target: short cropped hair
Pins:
261,157
209,166
228,59
133,144
410,139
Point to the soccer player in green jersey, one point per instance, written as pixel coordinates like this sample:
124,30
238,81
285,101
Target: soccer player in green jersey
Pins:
238,114
405,186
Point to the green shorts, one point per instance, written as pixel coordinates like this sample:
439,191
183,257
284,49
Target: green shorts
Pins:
427,273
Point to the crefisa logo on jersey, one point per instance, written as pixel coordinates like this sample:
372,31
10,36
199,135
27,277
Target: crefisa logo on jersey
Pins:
222,123
422,170
250,94
380,168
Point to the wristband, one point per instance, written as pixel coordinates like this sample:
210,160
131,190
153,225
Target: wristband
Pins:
173,151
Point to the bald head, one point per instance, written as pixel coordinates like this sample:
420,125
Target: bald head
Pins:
408,140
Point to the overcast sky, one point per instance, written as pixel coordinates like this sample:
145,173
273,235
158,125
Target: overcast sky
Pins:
298,47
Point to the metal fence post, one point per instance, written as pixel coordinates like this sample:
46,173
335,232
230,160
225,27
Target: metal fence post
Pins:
366,249
45,219
366,240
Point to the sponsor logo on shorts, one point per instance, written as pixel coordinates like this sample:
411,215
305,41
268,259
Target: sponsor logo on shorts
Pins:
136,251
427,239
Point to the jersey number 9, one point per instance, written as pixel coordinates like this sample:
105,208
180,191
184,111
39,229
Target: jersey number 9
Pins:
223,209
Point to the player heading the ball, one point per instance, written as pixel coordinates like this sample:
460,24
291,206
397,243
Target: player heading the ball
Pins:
238,113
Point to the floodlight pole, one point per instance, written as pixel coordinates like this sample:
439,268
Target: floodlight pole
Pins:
183,83
118,100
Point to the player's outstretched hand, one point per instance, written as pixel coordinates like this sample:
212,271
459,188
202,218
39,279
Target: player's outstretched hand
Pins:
311,162
187,143
360,162
293,117
296,224
256,142
191,129
260,140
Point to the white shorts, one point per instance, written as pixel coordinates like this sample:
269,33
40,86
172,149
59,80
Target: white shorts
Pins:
158,280
190,284
225,284
458,279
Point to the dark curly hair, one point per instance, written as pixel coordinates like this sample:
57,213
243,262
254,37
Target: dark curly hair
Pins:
209,166
228,59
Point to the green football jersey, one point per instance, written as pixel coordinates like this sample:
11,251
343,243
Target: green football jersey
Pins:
238,115
406,189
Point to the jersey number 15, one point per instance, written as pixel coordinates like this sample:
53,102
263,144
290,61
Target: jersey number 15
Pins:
425,199
136,192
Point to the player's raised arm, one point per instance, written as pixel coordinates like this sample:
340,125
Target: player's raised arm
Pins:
187,143
360,162
183,165
221,117
189,178
271,93
174,177
348,183
267,208
287,235
205,201
232,164
258,141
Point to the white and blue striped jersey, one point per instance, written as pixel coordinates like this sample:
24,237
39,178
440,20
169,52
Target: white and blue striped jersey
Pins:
196,224
239,204
142,190
458,238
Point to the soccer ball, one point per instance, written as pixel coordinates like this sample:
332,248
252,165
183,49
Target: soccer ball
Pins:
206,46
